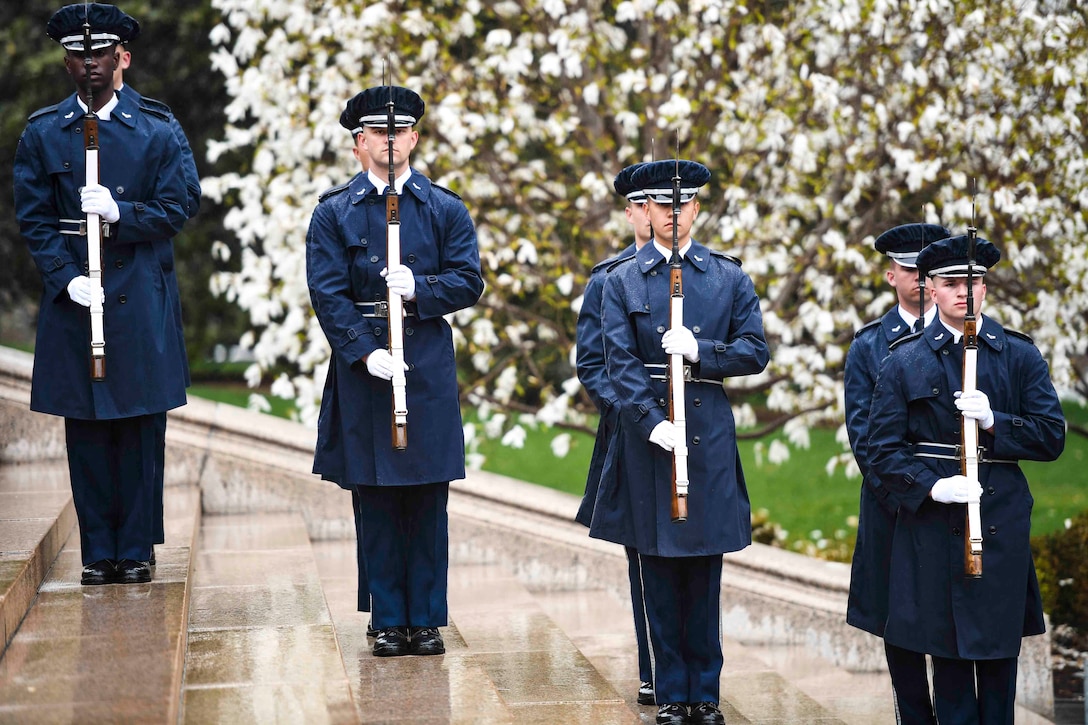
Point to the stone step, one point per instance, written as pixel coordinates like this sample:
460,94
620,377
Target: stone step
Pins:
262,647
36,519
105,653
506,661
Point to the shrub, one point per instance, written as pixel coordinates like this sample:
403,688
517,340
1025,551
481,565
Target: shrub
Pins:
1061,561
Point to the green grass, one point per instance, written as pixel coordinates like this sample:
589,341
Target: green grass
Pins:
238,394
798,494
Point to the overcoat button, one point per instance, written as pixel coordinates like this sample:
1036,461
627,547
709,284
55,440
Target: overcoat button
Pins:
991,490
377,332
374,259
660,328
944,351
122,299
411,258
696,329
653,273
661,402
955,532
695,440
697,402
363,242
646,306
67,165
993,529
409,331
120,264
120,190
936,391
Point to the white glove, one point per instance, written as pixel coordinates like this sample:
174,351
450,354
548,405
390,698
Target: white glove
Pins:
380,364
975,405
79,289
96,199
956,489
681,342
664,435
400,280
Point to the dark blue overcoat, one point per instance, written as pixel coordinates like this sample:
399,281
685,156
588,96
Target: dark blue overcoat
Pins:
933,607
594,378
867,607
140,163
721,309
165,249
345,251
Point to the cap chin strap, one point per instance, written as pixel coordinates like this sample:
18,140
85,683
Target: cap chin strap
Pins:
98,41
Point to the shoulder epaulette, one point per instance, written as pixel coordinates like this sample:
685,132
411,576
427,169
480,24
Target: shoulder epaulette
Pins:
155,103
1021,335
451,192
603,264
867,326
910,336
730,257
620,261
156,112
332,191
42,111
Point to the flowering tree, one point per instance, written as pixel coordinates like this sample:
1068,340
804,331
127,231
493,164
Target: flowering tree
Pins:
824,122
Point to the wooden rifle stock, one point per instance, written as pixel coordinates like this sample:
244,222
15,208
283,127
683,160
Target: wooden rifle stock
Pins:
94,222
395,301
677,410
972,534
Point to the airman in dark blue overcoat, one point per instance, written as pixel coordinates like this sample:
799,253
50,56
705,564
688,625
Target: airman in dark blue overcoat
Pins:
594,378
166,253
722,336
400,495
971,627
109,425
867,608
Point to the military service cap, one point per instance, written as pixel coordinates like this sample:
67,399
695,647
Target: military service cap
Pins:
626,188
948,257
108,26
904,242
371,108
656,178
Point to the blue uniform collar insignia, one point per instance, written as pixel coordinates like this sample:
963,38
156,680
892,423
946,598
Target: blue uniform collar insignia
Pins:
417,184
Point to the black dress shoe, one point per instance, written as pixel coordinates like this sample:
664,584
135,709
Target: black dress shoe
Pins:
371,633
706,713
98,572
673,713
391,642
130,571
151,561
426,641
646,693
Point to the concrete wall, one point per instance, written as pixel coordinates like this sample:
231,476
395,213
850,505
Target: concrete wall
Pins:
246,461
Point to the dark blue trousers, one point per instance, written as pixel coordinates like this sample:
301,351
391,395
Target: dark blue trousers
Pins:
910,682
159,534
682,597
645,667
112,467
360,556
974,692
405,533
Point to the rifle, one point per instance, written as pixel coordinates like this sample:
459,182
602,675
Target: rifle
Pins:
395,303
972,535
677,413
94,221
